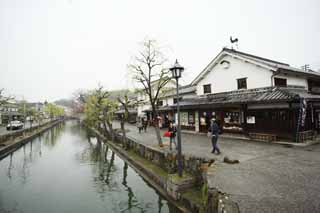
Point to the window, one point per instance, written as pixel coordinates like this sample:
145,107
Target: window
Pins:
160,103
191,117
175,100
280,82
242,83
207,88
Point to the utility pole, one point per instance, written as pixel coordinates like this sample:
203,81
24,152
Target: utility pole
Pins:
306,67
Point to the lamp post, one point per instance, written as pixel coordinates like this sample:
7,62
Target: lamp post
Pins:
176,71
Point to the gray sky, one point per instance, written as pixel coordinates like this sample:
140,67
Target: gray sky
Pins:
50,48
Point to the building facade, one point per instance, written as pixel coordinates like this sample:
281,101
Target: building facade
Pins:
10,112
250,95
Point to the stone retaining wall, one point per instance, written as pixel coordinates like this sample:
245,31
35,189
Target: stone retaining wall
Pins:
188,190
168,160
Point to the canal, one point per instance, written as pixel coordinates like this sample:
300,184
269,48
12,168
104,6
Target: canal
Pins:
65,170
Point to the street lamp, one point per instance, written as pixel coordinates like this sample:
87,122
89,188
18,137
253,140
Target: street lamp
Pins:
176,71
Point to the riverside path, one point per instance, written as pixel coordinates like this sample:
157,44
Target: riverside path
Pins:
269,177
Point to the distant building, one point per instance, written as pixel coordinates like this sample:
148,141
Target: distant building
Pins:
9,112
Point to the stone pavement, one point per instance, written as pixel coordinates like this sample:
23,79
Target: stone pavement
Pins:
269,177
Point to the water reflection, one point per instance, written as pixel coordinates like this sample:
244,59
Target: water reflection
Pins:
128,188
68,169
10,167
106,176
51,137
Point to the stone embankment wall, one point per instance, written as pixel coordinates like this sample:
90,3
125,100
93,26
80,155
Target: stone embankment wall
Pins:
168,160
160,168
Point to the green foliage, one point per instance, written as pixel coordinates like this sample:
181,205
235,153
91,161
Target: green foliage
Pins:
204,193
54,111
99,108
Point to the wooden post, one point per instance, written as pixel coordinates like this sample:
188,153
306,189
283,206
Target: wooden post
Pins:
244,124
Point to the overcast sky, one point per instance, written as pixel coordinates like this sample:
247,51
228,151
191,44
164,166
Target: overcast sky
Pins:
50,48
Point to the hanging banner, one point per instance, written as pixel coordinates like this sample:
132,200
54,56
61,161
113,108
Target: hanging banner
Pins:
302,117
303,111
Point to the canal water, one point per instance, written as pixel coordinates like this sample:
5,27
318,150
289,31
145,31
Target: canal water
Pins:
65,170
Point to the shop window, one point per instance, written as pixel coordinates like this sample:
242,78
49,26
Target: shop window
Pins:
242,83
280,82
207,88
275,115
191,118
232,117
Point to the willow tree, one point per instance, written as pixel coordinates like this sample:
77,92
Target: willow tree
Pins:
54,111
99,109
149,70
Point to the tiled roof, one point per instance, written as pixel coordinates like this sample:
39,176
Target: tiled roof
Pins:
132,111
259,95
160,108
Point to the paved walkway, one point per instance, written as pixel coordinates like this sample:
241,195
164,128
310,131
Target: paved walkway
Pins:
269,177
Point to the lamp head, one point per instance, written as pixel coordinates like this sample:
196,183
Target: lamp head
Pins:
176,70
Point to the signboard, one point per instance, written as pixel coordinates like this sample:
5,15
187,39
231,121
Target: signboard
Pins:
303,111
302,117
203,121
251,120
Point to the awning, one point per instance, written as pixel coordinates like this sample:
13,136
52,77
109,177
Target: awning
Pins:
131,111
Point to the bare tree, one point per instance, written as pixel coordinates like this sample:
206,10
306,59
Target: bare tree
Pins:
4,99
79,99
126,103
148,69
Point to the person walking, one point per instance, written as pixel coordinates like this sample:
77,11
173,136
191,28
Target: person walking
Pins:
215,135
144,124
139,124
172,129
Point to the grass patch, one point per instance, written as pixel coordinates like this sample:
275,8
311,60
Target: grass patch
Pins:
176,179
149,165
194,195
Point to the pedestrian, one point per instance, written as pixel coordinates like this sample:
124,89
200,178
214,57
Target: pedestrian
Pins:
144,124
214,136
139,124
173,130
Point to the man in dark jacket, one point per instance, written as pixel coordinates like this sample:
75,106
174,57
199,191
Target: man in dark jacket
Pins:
215,135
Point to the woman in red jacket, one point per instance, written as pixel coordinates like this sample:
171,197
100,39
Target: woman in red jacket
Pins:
172,129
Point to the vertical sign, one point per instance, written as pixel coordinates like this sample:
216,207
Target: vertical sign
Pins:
303,111
302,116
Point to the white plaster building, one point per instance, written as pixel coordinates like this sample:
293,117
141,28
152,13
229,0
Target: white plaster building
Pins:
252,95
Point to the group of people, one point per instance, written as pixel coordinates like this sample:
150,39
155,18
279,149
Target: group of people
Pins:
213,133
142,124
